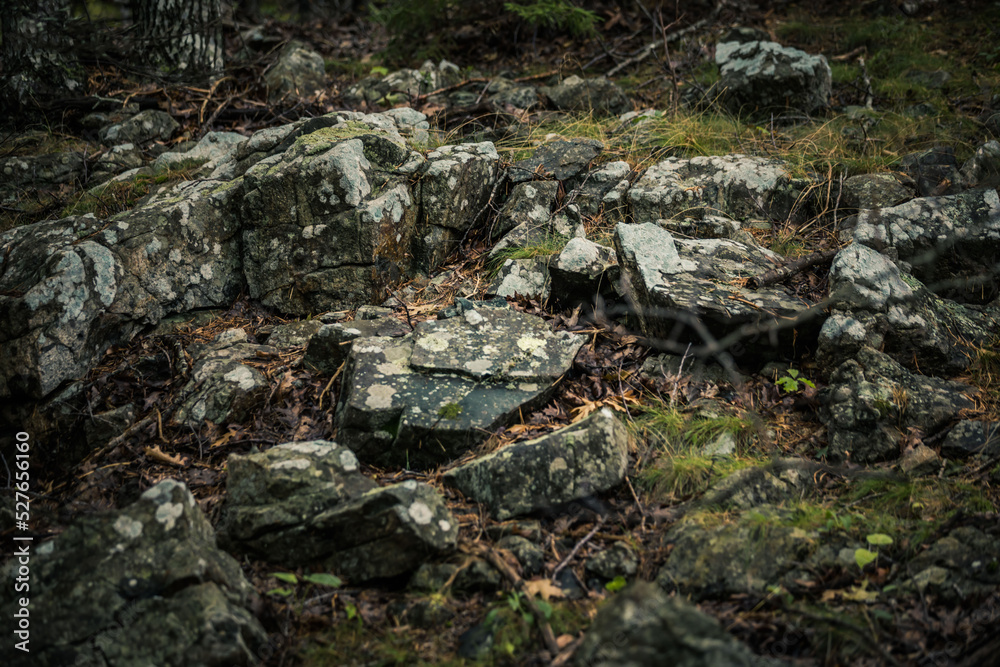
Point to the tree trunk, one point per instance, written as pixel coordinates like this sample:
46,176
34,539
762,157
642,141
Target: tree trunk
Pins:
38,60
182,38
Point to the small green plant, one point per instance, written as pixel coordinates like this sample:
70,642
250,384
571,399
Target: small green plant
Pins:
450,411
555,14
791,380
615,584
864,556
326,580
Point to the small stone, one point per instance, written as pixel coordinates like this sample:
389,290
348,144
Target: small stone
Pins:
920,461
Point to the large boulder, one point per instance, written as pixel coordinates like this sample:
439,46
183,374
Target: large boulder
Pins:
569,464
74,287
758,77
738,186
322,218
643,627
427,397
142,586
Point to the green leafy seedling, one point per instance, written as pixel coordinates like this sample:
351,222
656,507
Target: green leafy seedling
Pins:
791,380
865,556
615,584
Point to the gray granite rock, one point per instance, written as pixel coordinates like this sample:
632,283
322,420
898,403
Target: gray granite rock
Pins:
874,304
641,627
737,186
527,277
616,561
982,170
210,151
871,401
757,77
221,388
328,348
145,585
592,188
970,438
583,270
298,73
530,203
672,284
564,161
456,183
962,566
598,95
570,464
294,334
949,240
142,128
867,191
306,503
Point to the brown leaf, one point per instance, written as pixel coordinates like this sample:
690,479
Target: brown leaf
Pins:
159,456
544,588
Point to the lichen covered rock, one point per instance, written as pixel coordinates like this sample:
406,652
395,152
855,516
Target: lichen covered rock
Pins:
427,397
142,586
569,464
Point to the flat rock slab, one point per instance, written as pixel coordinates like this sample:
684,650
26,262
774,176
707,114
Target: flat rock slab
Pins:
671,284
738,186
567,465
142,586
561,160
427,397
328,348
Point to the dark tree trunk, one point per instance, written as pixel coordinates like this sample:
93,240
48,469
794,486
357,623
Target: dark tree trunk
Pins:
38,61
181,38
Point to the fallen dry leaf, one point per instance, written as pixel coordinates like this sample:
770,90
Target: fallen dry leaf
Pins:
160,456
544,588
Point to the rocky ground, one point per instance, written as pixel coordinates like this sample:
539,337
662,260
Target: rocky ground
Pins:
341,363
